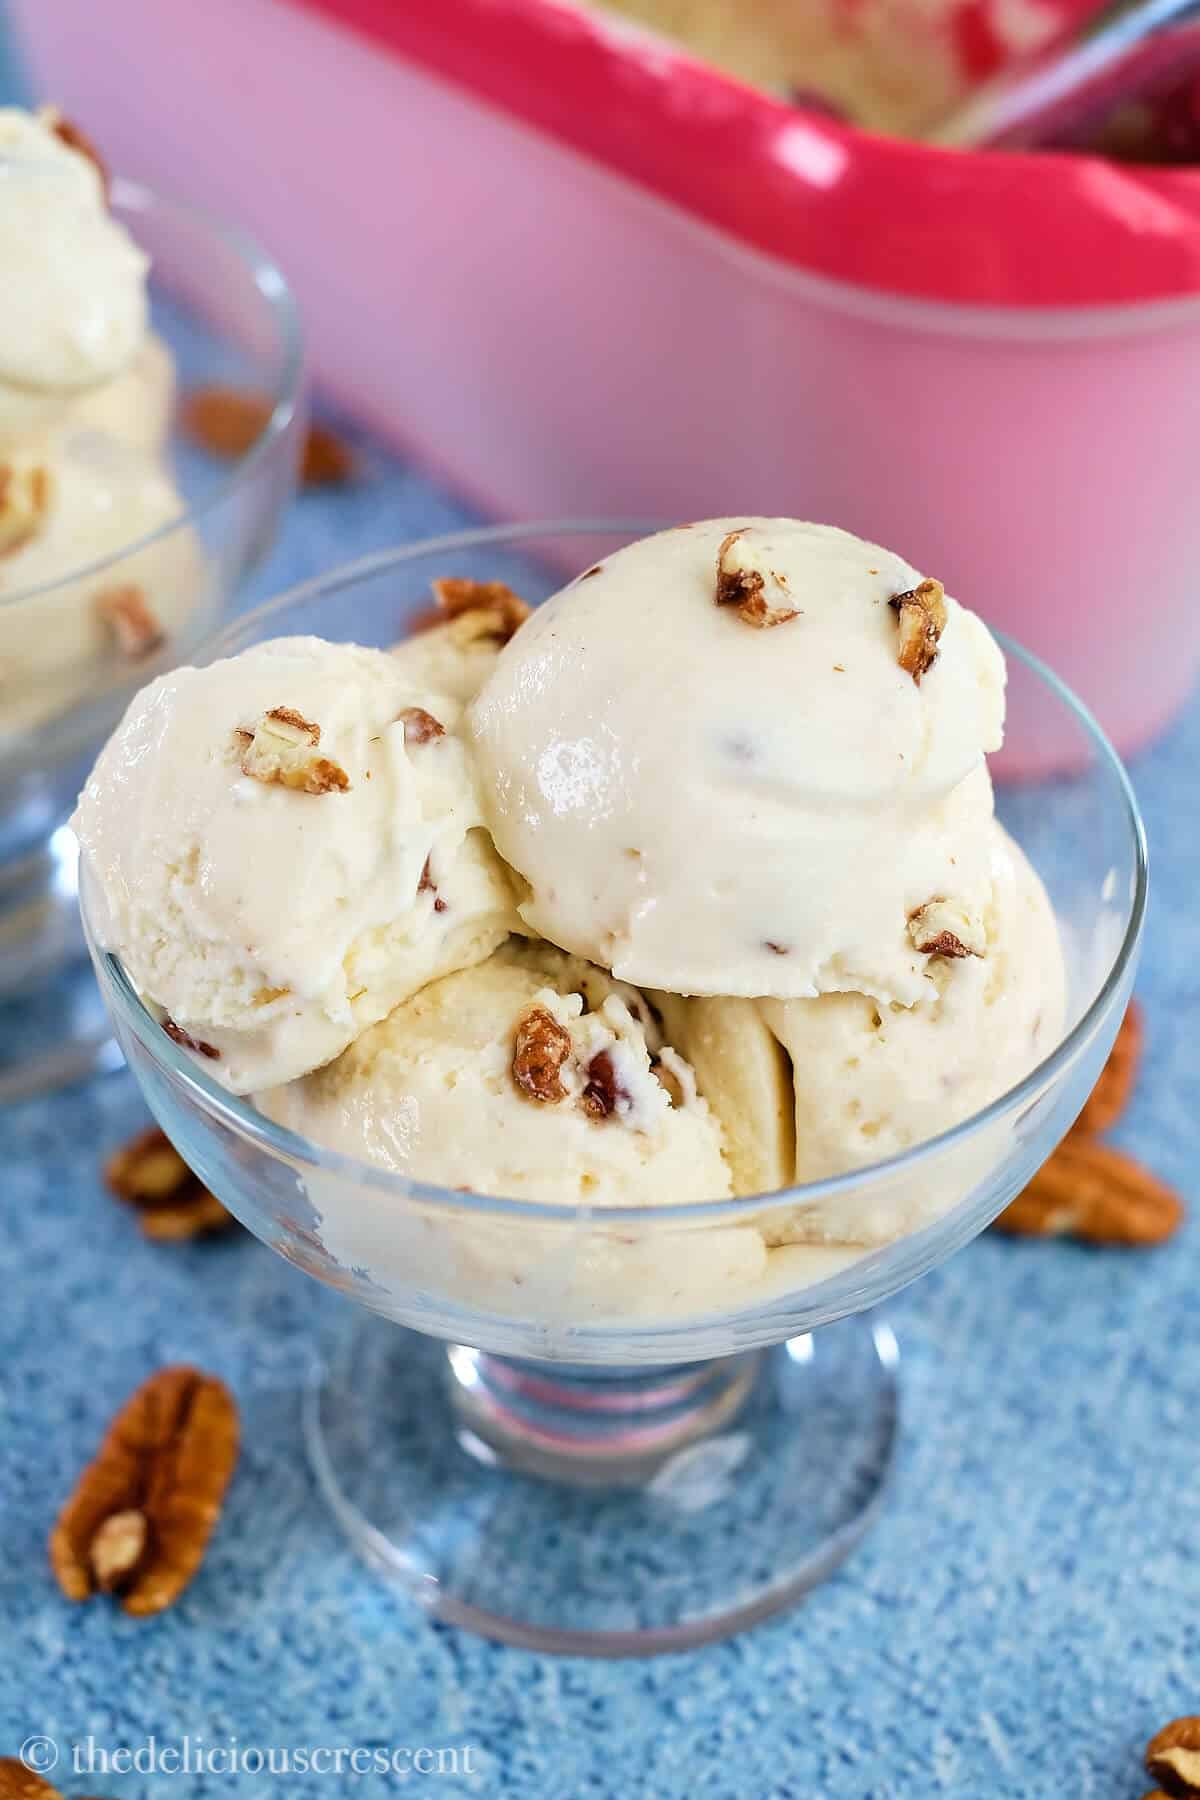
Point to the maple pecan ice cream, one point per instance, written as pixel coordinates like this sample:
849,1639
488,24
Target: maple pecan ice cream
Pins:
687,886
287,845
85,397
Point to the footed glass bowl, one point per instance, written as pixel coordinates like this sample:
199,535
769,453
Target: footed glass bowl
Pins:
226,315
634,1428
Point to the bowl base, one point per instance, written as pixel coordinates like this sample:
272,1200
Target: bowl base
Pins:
54,1027
604,1512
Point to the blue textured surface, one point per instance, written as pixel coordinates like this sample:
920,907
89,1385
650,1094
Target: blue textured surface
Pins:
1025,1614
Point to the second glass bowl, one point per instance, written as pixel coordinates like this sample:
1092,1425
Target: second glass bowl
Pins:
226,315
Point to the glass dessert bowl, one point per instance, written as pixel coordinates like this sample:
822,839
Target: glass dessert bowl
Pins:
76,642
634,1428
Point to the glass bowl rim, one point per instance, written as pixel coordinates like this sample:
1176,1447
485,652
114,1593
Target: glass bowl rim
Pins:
284,1145
285,392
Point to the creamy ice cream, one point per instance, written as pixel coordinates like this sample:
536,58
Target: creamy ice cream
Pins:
752,922
531,1076
287,845
62,639
713,804
85,398
73,299
134,408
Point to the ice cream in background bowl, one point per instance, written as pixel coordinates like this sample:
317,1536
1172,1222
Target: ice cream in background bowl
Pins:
600,1111
119,550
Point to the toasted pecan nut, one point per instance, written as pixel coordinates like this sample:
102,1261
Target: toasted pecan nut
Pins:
282,748
746,581
141,1515
131,619
602,1090
19,1783
1110,1096
945,928
229,421
186,1041
26,496
1090,1191
488,609
1173,1758
668,1080
427,885
922,615
420,727
540,1048
171,1202
70,134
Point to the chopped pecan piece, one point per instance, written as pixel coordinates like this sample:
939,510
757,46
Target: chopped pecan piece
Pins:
129,616
746,581
75,139
943,928
1088,1190
142,1513
282,748
601,1090
922,615
171,1202
1173,1758
228,421
540,1049
420,727
486,609
186,1041
1110,1096
668,1079
427,885
26,493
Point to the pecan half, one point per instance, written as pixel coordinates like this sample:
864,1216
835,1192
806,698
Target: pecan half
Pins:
26,495
944,928
1173,1758
922,615
1110,1096
282,748
171,1202
143,1511
75,139
186,1041
420,727
1090,1191
746,581
540,1048
487,609
129,616
229,421
19,1783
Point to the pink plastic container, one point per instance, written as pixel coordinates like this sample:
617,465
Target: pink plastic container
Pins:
580,274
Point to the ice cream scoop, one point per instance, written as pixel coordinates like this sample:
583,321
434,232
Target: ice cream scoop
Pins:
288,846
134,408
531,1075
73,297
872,1080
740,757
76,504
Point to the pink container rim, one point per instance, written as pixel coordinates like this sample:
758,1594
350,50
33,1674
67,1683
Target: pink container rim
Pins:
1004,229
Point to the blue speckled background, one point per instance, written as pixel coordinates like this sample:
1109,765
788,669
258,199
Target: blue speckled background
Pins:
1024,1616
